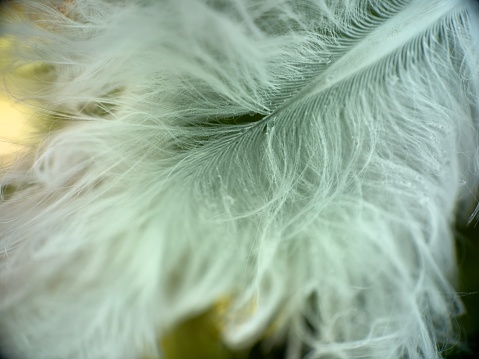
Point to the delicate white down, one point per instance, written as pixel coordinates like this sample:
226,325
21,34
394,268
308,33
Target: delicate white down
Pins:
332,215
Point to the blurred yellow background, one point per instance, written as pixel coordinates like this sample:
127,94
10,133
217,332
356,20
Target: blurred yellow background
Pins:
14,129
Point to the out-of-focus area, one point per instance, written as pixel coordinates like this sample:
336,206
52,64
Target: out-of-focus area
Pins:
467,243
14,117
14,129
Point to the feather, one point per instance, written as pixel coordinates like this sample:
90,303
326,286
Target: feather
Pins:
304,159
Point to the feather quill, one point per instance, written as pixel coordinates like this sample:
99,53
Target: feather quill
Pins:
327,215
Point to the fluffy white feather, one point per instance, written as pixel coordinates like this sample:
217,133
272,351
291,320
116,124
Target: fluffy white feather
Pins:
331,215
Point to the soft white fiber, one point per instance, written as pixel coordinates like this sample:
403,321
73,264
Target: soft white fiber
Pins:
327,223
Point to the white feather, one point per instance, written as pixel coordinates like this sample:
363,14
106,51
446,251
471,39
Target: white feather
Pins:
332,214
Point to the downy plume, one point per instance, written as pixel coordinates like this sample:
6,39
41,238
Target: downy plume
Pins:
303,160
